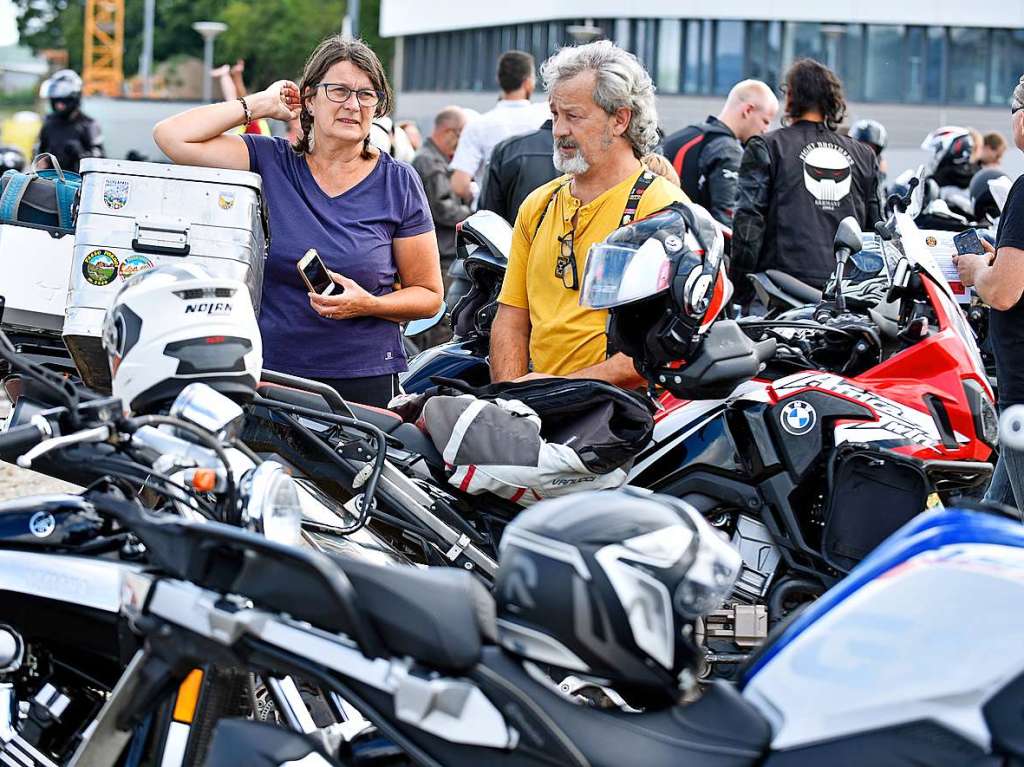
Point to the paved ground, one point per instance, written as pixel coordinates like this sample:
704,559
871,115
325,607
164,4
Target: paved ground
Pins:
15,482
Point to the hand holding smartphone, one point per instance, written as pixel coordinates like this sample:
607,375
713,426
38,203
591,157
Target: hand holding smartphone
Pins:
315,275
968,242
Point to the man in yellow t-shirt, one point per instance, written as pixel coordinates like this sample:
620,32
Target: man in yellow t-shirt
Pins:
602,103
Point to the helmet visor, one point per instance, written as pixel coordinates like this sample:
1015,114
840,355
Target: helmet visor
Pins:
620,274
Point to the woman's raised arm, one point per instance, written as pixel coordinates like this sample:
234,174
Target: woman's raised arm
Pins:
197,136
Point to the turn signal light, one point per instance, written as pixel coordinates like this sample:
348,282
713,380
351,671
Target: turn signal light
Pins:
204,480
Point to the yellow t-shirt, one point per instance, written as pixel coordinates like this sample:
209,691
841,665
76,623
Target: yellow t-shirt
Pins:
564,336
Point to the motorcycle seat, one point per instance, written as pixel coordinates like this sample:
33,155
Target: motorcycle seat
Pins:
799,289
721,729
437,615
415,441
384,420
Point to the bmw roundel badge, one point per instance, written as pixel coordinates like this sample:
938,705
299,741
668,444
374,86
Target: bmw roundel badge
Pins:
798,417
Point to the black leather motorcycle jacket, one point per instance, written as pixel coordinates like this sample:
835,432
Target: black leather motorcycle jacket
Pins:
71,139
796,184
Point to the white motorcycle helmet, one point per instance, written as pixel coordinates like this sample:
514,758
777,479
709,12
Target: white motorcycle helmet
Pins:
175,325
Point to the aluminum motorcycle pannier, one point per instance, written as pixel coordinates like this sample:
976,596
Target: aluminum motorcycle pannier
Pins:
136,215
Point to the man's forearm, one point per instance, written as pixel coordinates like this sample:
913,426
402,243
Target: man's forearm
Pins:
1000,294
510,354
617,369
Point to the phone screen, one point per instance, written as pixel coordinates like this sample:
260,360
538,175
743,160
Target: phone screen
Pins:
317,274
968,242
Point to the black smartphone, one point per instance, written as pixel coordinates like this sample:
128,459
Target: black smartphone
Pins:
968,242
315,275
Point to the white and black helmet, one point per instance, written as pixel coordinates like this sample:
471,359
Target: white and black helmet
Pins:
174,325
608,585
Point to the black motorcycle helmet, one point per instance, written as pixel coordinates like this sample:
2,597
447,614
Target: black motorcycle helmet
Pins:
872,133
64,91
481,243
985,205
663,279
952,148
608,585
11,158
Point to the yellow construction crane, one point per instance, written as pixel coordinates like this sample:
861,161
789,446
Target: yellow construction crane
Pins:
103,57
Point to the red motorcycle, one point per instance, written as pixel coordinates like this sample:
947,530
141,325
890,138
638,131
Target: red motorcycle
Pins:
810,437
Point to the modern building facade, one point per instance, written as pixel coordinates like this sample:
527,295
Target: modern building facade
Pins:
938,52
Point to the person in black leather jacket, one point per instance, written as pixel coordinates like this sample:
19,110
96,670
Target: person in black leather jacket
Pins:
518,165
798,182
707,155
68,134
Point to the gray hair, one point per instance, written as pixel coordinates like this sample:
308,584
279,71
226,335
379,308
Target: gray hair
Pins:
622,82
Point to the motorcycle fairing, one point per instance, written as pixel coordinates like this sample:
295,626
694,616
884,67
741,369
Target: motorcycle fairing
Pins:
891,424
946,667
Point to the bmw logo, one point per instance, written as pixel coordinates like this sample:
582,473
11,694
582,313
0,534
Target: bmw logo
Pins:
42,524
798,417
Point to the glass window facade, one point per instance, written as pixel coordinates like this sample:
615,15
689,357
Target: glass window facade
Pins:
895,63
884,68
968,73
728,62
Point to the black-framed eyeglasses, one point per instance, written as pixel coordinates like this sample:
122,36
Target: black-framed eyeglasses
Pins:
1015,109
365,97
565,266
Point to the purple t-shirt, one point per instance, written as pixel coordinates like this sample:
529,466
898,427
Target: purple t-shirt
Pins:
353,234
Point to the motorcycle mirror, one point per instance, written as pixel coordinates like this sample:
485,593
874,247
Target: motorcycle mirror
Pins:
847,239
416,327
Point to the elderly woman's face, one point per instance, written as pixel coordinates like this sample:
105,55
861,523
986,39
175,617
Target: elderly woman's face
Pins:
346,121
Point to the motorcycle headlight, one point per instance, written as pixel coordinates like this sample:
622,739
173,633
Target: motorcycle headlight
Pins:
271,503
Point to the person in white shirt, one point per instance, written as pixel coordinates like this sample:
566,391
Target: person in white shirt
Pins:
513,114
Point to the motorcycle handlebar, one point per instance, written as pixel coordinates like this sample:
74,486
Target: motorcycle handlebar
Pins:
19,440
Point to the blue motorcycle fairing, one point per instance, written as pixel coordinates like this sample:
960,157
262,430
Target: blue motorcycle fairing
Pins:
452,360
927,532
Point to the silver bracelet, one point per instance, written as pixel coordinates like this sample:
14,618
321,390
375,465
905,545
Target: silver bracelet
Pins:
248,113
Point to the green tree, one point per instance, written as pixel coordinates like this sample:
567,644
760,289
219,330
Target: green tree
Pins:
273,36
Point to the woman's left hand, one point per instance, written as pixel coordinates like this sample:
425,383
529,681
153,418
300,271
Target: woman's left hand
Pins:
353,301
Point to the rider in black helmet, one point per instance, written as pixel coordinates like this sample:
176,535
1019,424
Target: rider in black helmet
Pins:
873,133
68,134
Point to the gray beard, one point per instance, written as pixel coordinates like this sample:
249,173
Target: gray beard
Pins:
574,166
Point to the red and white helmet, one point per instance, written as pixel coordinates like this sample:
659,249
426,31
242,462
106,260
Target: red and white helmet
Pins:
951,150
663,278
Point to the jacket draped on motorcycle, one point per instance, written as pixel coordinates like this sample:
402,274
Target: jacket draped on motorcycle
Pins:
529,440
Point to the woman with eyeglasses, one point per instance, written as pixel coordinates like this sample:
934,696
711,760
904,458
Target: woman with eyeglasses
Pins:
364,213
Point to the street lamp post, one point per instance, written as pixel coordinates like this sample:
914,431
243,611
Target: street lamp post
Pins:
209,31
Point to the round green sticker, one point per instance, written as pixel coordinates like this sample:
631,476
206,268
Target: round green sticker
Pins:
100,267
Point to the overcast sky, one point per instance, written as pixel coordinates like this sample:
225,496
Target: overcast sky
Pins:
8,25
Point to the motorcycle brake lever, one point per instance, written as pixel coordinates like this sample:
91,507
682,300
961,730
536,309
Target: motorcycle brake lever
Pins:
97,434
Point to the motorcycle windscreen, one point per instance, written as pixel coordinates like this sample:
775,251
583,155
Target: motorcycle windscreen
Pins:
917,252
616,275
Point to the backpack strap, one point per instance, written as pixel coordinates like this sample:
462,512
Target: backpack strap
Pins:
680,158
10,200
66,194
543,213
640,186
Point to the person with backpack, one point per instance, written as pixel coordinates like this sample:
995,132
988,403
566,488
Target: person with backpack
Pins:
604,122
707,155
